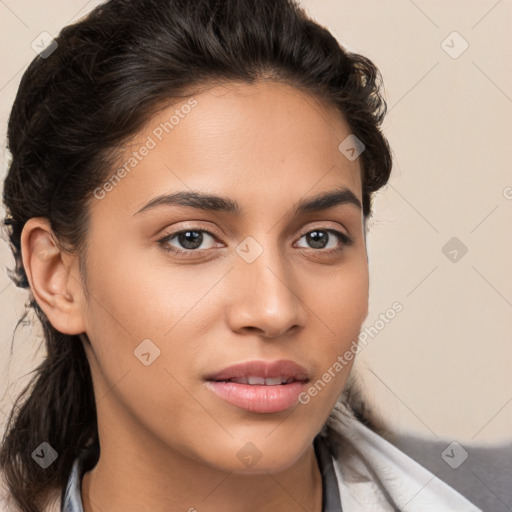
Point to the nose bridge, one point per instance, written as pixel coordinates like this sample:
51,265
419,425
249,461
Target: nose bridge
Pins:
266,298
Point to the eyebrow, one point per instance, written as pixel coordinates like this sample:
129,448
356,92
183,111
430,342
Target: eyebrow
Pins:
210,202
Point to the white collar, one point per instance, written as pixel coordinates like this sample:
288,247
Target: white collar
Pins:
372,473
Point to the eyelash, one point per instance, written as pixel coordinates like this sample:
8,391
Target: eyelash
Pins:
163,242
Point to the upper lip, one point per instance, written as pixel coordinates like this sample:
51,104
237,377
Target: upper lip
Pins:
283,368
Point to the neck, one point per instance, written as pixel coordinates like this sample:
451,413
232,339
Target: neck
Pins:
130,483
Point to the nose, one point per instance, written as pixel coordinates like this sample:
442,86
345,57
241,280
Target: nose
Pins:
265,297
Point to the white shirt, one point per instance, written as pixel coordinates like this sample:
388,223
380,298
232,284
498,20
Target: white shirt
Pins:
374,475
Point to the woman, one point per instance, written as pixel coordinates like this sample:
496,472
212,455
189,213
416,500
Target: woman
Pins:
187,201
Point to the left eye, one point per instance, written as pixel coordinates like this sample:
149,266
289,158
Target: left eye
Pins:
320,238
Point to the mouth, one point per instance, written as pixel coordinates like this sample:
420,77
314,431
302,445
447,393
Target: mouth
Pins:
260,386
270,373
253,380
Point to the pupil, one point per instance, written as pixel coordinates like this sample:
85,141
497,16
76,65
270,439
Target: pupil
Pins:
190,239
318,239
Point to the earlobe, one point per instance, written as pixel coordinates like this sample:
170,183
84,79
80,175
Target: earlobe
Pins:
52,276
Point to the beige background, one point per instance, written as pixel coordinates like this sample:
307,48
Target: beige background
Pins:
442,366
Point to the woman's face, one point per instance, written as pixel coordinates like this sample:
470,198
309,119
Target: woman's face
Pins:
262,282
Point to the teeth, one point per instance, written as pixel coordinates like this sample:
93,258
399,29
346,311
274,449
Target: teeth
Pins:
260,381
241,380
274,382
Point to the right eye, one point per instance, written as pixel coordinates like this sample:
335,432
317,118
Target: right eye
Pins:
189,239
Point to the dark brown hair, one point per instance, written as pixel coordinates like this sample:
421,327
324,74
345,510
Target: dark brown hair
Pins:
77,107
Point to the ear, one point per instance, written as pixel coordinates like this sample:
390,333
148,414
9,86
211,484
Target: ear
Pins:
53,276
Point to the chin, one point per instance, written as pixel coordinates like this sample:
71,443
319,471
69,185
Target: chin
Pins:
270,455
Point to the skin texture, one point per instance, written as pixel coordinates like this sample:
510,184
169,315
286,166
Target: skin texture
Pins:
167,441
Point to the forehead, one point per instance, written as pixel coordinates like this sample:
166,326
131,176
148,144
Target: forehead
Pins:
266,139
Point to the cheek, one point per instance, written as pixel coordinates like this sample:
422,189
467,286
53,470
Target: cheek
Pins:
341,307
342,301
142,297
145,321
139,326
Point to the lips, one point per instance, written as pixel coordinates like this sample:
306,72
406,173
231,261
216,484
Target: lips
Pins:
260,386
262,373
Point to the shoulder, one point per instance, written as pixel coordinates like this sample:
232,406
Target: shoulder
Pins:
372,472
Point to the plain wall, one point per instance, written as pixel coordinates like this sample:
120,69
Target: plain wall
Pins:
440,367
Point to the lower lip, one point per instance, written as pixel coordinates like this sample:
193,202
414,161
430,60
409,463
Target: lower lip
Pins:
256,398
